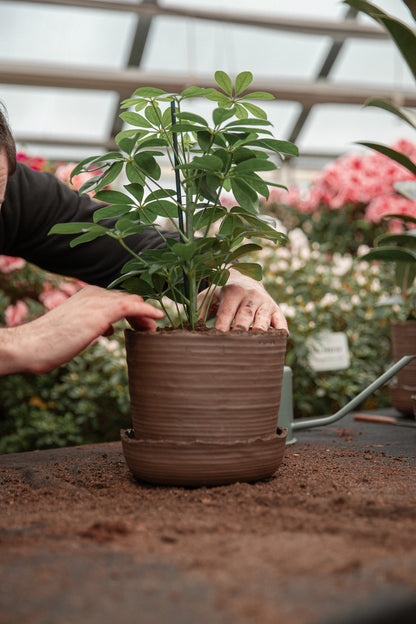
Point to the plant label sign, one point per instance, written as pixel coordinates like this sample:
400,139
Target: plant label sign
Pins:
328,351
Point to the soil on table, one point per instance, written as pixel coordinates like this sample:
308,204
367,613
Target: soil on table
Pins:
334,527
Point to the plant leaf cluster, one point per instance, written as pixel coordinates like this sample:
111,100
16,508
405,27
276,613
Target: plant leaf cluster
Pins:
397,248
230,151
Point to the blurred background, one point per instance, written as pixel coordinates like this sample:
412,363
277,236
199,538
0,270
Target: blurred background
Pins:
65,64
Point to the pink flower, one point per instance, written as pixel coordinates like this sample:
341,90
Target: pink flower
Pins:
391,204
14,314
11,263
70,288
52,297
34,162
358,179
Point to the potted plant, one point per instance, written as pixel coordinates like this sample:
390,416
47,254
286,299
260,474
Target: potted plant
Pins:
204,403
399,248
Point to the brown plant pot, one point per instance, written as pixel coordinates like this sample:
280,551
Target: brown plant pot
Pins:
403,340
207,399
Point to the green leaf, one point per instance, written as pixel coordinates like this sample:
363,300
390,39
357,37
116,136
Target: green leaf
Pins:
393,154
258,95
403,36
241,111
216,96
161,194
181,127
204,139
208,216
406,218
252,269
388,106
243,250
255,110
112,197
147,163
137,103
229,224
149,92
95,232
136,190
224,81
244,194
72,228
90,184
110,175
185,251
134,119
243,81
402,240
193,92
249,122
221,114
391,254
111,211
275,145
153,115
253,164
192,117
134,176
207,163
257,184
163,208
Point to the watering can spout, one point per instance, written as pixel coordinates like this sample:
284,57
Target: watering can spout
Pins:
308,423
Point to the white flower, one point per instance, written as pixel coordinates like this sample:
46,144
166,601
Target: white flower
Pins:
299,243
288,311
342,264
328,299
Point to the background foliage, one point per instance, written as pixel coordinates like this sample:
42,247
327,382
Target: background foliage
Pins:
319,280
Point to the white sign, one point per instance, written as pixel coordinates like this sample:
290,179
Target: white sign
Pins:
328,351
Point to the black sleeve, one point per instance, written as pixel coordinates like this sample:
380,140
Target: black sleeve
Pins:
34,202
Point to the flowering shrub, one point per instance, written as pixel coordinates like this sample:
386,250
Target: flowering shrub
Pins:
318,292
83,401
346,202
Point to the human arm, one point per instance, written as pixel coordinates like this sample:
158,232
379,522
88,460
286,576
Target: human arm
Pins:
34,202
243,303
57,336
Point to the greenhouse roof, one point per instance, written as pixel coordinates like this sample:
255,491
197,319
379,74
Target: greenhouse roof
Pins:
66,64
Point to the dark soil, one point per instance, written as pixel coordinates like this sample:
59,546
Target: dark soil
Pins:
82,540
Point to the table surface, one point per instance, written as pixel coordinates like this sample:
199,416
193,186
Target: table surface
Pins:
329,539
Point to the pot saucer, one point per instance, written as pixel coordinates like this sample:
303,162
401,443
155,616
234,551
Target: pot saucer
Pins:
199,463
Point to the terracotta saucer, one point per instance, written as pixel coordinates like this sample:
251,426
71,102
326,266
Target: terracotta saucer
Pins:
199,463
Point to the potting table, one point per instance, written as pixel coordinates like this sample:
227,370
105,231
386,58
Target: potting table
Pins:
330,539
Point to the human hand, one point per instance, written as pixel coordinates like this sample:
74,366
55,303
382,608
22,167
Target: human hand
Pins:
59,335
245,302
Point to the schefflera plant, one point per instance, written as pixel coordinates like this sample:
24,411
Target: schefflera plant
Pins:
208,157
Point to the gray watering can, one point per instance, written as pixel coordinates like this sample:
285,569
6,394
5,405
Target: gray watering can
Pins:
285,419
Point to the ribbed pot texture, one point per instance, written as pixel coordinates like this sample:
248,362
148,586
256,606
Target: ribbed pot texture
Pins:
403,339
199,386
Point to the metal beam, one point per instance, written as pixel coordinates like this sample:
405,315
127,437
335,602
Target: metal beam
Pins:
335,30
323,73
135,58
124,82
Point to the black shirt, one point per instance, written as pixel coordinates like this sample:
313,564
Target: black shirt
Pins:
34,202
